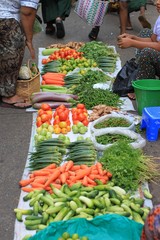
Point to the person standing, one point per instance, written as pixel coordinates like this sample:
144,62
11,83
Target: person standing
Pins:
55,12
16,31
123,17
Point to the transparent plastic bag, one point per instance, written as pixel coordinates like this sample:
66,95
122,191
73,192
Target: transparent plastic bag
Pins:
138,141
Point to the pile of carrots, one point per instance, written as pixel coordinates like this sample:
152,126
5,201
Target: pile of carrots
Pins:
52,78
68,173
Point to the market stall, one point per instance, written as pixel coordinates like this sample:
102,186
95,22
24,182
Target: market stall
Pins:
70,171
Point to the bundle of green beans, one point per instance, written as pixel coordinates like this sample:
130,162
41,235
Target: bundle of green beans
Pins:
82,152
47,152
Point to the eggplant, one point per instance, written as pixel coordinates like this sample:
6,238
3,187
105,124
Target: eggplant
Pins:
51,96
53,105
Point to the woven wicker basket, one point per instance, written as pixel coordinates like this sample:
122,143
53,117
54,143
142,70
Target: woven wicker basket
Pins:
25,88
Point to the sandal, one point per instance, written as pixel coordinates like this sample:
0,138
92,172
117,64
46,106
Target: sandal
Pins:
60,28
94,33
50,30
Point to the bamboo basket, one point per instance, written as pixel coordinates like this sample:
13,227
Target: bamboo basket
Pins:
25,88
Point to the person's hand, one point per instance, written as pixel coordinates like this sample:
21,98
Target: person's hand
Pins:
125,42
158,6
124,35
31,49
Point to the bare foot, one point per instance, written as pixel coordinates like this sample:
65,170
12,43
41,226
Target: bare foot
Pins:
131,96
13,100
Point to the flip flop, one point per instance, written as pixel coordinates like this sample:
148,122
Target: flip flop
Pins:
60,29
50,30
23,105
129,28
19,100
94,33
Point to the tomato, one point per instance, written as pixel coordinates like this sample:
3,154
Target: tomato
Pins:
85,122
39,123
45,107
81,117
80,105
75,122
62,124
41,112
79,110
63,116
44,61
68,128
38,119
75,116
61,106
57,130
68,122
64,130
74,110
44,117
59,111
56,121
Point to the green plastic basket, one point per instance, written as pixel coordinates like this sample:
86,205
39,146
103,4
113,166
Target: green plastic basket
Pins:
147,93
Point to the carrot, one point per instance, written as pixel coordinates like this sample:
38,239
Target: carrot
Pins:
85,181
71,173
41,180
99,168
94,171
43,82
55,82
41,173
52,177
57,185
63,167
82,172
53,74
69,165
30,189
63,177
57,181
90,181
25,182
36,185
94,176
103,180
75,167
83,166
51,166
109,174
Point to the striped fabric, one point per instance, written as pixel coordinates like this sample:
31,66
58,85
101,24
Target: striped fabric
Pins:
92,11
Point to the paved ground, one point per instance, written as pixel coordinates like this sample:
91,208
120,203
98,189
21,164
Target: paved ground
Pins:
15,124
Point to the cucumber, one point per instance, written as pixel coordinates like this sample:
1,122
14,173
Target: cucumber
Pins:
147,194
49,51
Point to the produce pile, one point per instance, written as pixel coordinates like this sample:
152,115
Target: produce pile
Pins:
67,178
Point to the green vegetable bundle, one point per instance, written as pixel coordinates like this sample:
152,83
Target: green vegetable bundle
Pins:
129,166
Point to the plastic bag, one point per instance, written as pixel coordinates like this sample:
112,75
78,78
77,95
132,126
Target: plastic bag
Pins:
138,141
37,27
128,118
24,73
92,11
108,226
123,81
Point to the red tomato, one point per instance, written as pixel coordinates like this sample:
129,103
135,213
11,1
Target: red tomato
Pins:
85,122
44,117
75,116
44,61
39,123
45,107
56,121
75,122
41,112
63,116
80,106
81,117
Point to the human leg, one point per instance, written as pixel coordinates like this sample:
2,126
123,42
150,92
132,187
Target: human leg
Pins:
123,15
142,18
148,64
94,33
12,47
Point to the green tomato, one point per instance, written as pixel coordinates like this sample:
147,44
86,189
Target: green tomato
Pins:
80,124
49,135
66,235
51,128
75,129
84,238
39,129
62,137
82,130
40,138
44,132
80,138
75,236
45,125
